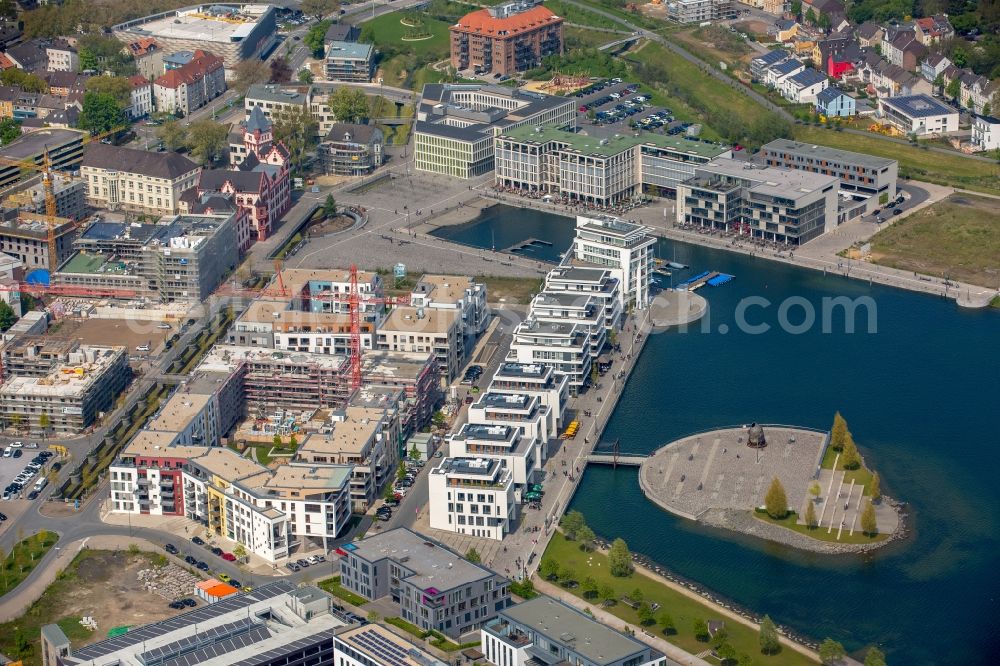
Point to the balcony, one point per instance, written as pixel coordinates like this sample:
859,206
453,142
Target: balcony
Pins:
508,633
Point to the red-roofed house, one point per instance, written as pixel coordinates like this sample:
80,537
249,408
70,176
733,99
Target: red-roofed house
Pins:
190,86
506,38
933,29
148,56
260,184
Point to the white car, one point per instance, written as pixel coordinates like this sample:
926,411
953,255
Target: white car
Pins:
142,348
16,445
32,445
312,559
8,452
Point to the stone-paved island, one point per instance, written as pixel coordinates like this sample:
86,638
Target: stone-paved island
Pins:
721,478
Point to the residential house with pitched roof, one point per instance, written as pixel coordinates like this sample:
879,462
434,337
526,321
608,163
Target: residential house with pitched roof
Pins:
839,56
933,29
260,183
904,50
803,87
136,180
8,95
141,97
833,102
62,56
775,74
191,86
934,65
61,84
869,34
832,9
148,56
29,56
978,91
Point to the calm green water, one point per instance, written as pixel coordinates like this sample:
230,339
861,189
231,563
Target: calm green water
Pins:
921,397
502,226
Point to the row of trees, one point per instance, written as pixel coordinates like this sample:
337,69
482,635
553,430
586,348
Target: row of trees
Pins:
842,440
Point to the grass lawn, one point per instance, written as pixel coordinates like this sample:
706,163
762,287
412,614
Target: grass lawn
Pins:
958,237
684,610
862,475
513,290
389,31
714,43
581,38
820,533
23,557
574,14
710,91
333,586
917,163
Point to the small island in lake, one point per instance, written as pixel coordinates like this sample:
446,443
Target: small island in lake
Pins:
802,487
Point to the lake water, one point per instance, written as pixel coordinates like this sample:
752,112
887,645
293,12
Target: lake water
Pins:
502,226
920,396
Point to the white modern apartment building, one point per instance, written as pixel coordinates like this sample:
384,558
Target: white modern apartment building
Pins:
410,329
535,379
985,133
516,452
450,292
623,247
581,309
918,114
268,512
563,346
524,412
365,438
473,496
596,282
141,97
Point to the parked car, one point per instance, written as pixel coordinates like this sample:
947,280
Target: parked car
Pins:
3,517
176,605
320,558
312,559
33,494
217,551
302,562
17,453
202,566
32,445
189,602
170,548
190,560
228,557
224,577
198,541
235,583
56,466
292,566
897,211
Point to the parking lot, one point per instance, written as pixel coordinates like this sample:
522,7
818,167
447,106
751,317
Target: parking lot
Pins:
613,106
17,462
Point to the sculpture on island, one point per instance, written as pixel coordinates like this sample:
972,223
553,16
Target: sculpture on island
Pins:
755,437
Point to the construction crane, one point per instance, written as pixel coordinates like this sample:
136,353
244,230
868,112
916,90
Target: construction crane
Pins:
48,187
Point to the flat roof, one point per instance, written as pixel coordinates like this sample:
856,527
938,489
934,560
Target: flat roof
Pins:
34,143
385,648
526,370
349,50
85,263
443,288
350,435
309,476
203,23
486,468
434,565
495,433
226,463
918,106
272,92
607,147
385,365
774,181
505,400
178,411
420,320
565,625
827,154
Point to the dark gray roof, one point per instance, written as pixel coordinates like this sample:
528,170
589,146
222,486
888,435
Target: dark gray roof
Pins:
257,121
29,55
361,134
787,66
827,95
342,32
918,106
157,165
244,181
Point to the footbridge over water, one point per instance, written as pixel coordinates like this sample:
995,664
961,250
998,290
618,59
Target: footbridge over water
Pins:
626,459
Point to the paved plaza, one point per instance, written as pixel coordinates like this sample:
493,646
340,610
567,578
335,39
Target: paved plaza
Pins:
717,470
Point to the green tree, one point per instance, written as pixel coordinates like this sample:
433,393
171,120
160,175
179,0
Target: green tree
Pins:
414,453
23,80
875,657
305,76
401,471
701,630
548,568
810,16
850,458
349,105
250,72
439,419
620,559
814,489
744,660
104,54
727,653
293,441
876,487
524,589
10,129
389,493
646,615
938,83
586,537
987,109
589,588
831,652
319,8
571,523
954,88
838,432
172,134
330,207
116,86
666,622
8,9
22,646
315,39
374,617
869,521
607,594
208,141
7,316
768,638
240,553
810,515
636,595
775,501
720,637
796,8
276,440
473,556
101,113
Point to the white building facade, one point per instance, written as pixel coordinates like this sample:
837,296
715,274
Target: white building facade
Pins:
473,496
